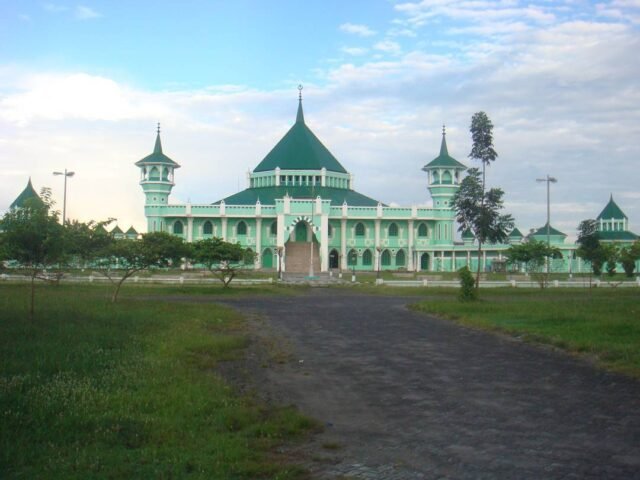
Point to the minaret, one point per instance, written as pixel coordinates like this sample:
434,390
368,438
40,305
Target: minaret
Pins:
444,175
156,175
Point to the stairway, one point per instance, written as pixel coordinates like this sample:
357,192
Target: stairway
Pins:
297,257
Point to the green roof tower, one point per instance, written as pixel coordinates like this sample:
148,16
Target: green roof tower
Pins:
444,175
28,194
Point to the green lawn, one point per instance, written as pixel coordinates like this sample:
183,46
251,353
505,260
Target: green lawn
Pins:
95,390
602,323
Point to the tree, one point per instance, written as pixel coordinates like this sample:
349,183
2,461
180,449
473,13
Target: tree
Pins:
33,237
533,255
482,137
221,257
611,255
123,258
590,248
629,255
467,291
479,212
86,242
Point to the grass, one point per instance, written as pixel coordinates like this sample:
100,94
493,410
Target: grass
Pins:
603,324
95,390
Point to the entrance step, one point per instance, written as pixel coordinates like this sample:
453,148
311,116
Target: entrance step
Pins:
298,257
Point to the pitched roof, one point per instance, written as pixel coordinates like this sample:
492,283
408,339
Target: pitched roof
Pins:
268,196
467,234
28,193
157,156
116,229
300,149
131,231
542,231
444,159
617,235
515,233
612,210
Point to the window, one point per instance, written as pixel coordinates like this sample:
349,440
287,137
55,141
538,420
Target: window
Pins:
165,174
393,230
436,177
367,258
178,228
359,230
207,228
446,177
274,228
422,230
400,258
330,230
386,258
241,228
154,174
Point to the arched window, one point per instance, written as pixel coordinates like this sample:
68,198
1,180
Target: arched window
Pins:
154,174
446,177
352,258
367,258
393,230
436,177
422,230
330,230
400,258
359,230
165,174
241,228
207,228
333,258
386,258
178,228
274,228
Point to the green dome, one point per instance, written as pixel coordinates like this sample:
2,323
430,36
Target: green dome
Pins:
444,160
157,156
28,193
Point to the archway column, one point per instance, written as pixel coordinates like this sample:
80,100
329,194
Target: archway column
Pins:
410,247
324,243
343,244
258,259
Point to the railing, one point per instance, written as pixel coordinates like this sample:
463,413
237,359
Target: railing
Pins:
165,280
511,283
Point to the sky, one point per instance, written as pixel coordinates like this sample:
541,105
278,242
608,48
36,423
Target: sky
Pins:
83,85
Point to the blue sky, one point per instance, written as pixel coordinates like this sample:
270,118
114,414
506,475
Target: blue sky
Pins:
82,85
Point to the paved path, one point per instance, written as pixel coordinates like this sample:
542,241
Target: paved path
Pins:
407,396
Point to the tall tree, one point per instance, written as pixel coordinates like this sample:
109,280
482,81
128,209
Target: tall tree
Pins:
482,137
222,258
479,212
589,246
33,237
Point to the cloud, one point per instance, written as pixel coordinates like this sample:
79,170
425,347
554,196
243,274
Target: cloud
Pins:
357,29
54,7
82,12
388,46
355,51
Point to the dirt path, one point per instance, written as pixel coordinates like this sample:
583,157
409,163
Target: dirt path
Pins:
406,396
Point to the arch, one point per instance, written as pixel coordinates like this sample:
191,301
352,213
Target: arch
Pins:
207,228
446,177
334,257
274,229
393,230
241,228
367,258
267,258
165,174
352,258
178,227
330,230
386,258
400,258
436,177
424,261
360,230
154,174
422,230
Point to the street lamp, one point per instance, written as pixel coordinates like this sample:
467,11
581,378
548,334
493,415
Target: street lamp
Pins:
549,180
64,201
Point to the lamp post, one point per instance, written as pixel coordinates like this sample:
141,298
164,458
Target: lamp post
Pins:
549,181
64,201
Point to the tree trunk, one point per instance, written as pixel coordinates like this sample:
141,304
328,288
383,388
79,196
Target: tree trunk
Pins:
114,297
479,240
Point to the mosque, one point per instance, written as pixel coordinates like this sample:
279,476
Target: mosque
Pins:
301,214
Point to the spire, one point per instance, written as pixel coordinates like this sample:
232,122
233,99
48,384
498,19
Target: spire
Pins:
300,115
444,151
158,147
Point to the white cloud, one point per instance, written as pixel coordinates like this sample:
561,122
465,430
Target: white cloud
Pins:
82,12
355,51
357,29
388,46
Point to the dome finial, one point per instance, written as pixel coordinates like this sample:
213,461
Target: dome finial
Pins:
300,115
300,87
444,130
158,128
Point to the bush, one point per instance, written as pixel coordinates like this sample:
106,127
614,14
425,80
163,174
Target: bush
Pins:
468,290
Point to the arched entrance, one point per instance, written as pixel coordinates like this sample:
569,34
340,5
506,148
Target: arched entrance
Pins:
334,259
424,262
267,258
302,249
301,234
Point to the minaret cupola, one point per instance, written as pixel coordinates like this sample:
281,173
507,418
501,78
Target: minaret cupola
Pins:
444,175
157,174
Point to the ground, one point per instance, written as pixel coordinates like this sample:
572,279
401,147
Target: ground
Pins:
407,396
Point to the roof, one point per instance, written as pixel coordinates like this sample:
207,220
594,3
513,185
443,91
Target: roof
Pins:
612,210
131,231
617,235
28,193
515,233
157,156
300,149
444,159
268,195
467,234
116,229
542,231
